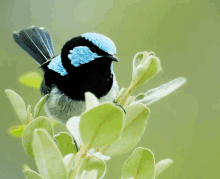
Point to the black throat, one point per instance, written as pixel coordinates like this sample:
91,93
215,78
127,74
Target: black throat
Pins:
95,77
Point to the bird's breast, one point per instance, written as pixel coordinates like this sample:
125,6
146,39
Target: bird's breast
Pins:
62,107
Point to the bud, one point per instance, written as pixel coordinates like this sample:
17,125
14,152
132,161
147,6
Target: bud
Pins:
145,66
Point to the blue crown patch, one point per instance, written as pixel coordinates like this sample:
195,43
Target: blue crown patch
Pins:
103,42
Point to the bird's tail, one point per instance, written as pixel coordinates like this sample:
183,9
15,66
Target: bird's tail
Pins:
36,41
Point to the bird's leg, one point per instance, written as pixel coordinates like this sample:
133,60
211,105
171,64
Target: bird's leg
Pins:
119,106
77,148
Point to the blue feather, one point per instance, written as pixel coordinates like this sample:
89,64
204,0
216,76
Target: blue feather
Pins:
112,68
103,42
56,65
81,55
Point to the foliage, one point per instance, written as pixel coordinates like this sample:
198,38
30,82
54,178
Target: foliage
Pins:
31,79
101,132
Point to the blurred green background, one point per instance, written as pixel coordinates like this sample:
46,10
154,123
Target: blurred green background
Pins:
184,34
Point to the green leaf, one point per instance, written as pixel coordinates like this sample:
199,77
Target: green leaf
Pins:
101,125
29,115
140,96
90,175
162,165
140,165
134,127
28,109
25,167
39,106
159,92
73,126
65,143
93,162
68,161
53,122
16,131
47,156
31,79
146,71
30,174
91,101
18,105
27,138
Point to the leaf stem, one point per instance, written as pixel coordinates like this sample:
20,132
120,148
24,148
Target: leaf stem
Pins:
120,95
127,93
79,160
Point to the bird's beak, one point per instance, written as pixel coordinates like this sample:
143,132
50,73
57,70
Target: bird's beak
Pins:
114,58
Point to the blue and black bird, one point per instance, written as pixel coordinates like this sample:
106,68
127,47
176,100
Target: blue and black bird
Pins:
85,64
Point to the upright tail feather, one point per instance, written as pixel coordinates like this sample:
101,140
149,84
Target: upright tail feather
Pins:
36,41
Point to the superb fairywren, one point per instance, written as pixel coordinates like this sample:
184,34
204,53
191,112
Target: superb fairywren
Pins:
84,65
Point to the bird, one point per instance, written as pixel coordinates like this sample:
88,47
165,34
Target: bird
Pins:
85,64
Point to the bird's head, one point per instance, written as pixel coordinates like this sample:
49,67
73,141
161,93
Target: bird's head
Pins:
88,48
86,64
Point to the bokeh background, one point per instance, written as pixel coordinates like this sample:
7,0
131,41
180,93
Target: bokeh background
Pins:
184,34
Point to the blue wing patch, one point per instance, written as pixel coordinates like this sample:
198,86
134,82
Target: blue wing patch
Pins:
81,55
103,42
56,65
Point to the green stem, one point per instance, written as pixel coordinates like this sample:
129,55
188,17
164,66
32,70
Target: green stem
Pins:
120,95
127,93
77,169
79,161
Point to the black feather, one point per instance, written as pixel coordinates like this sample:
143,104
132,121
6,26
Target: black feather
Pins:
36,42
94,76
